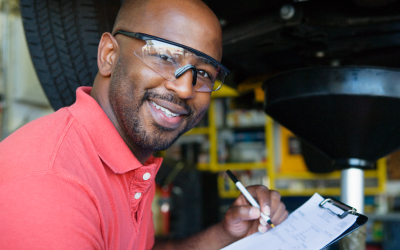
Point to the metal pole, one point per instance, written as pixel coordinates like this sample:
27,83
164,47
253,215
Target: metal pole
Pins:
352,193
5,60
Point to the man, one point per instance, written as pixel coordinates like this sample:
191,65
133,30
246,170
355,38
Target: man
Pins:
83,177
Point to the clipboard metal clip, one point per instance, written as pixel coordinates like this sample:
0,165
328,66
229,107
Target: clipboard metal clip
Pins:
346,208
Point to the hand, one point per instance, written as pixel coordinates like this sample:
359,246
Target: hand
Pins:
242,219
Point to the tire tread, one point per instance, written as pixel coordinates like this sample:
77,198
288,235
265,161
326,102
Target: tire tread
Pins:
62,37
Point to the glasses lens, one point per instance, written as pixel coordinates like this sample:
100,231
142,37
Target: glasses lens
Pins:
165,59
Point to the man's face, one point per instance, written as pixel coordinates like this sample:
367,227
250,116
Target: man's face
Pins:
152,115
153,112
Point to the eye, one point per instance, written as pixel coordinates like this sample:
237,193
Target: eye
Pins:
204,73
166,58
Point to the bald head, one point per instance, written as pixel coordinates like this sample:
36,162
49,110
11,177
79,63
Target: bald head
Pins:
189,22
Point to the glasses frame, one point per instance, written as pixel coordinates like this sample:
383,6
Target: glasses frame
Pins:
144,37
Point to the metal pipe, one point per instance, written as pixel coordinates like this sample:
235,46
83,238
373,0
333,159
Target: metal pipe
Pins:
352,193
5,60
352,188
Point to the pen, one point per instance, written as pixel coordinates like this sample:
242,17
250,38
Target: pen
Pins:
248,196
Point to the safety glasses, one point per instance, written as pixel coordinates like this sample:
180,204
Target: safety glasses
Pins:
171,60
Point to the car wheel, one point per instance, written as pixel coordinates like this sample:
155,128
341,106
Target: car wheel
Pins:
63,37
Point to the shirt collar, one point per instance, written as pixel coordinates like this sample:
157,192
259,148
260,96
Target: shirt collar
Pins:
107,141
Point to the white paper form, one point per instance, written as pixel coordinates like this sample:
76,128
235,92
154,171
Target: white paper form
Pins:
308,227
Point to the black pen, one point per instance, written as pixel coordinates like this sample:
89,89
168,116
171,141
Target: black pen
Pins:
248,196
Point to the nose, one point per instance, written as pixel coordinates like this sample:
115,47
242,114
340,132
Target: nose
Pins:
184,82
179,72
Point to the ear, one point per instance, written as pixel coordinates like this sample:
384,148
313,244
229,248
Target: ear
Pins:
107,54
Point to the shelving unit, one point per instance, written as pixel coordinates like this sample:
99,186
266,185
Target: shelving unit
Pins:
274,176
212,132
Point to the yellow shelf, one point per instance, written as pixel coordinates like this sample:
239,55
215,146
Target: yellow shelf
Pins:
203,166
225,91
231,166
329,176
303,192
323,191
198,131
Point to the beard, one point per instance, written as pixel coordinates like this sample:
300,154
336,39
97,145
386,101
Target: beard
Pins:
127,96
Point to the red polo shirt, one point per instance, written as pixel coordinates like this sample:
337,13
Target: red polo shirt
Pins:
68,181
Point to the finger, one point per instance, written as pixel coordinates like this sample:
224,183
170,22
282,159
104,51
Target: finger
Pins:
266,210
262,229
275,199
262,221
263,226
278,212
237,214
262,195
258,192
241,200
283,217
269,200
257,227
254,227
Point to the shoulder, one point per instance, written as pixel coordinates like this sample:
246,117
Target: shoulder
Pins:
49,209
35,147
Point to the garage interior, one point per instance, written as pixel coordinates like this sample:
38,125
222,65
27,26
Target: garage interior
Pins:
263,42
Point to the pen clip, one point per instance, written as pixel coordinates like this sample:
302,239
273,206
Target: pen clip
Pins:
346,208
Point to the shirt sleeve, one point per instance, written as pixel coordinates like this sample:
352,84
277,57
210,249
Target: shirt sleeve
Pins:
48,211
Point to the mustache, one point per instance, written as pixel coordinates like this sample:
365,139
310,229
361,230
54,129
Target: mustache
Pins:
168,97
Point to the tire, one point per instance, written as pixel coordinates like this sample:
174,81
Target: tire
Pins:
63,36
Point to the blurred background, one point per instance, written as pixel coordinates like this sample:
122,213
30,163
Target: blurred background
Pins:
261,39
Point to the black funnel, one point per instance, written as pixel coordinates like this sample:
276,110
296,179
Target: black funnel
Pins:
350,114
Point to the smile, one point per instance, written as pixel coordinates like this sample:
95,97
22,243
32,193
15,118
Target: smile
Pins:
164,110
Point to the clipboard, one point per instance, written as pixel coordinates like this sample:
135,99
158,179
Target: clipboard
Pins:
319,222
361,219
